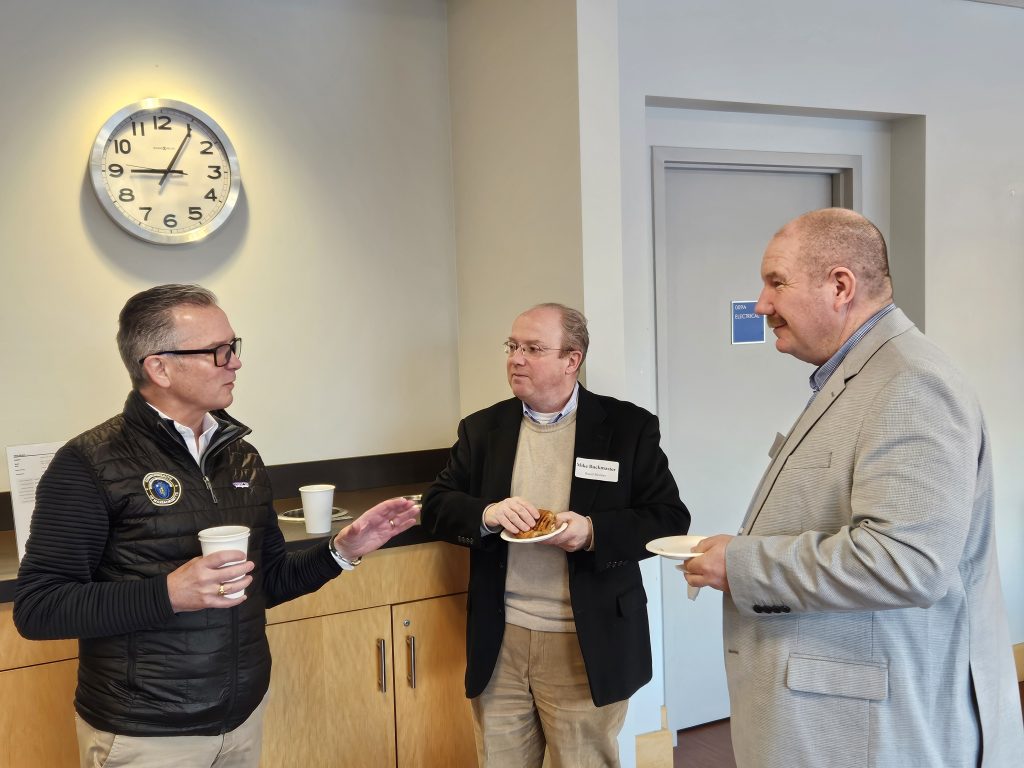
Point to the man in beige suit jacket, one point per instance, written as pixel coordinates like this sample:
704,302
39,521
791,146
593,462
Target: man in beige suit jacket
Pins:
864,622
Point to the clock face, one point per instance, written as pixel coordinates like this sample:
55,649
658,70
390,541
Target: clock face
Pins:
165,171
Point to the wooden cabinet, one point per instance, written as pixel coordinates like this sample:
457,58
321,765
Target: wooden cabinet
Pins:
37,688
343,689
37,718
433,715
375,687
331,692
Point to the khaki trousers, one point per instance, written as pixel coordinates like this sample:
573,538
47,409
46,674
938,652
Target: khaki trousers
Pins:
239,748
539,696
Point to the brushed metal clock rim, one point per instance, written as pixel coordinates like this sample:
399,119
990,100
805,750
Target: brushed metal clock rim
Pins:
99,184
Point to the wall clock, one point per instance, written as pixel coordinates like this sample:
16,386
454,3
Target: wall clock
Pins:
165,171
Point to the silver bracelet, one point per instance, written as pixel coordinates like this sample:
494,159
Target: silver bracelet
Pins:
340,559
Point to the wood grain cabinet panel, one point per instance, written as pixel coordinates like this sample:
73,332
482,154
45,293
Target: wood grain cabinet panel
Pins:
344,691
37,718
433,716
331,697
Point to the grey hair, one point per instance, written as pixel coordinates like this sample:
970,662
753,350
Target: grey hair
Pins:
575,336
145,324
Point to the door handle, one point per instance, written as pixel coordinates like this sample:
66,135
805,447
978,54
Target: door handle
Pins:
411,642
382,651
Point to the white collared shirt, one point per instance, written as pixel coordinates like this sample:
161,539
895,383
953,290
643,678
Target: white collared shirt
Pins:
209,426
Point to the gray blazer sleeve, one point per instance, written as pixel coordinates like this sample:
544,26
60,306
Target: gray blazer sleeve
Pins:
907,507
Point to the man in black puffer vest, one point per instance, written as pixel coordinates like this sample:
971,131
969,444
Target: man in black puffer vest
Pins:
171,667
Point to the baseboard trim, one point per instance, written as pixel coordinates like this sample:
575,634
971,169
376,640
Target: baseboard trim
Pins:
654,749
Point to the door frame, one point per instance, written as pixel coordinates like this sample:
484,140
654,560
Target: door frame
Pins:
846,193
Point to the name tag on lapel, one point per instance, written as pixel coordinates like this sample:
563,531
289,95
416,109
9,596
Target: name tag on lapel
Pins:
597,469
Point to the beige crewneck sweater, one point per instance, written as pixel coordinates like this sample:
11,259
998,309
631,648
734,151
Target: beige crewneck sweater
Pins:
537,586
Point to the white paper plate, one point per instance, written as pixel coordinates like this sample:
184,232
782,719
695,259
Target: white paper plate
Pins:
675,547
512,540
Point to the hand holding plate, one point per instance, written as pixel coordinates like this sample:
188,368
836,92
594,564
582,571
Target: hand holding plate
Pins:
514,514
709,570
577,534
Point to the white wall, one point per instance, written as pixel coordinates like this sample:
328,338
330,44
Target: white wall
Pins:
338,265
601,200
956,63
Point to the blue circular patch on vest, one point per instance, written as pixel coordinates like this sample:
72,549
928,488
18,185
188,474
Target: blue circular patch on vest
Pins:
161,488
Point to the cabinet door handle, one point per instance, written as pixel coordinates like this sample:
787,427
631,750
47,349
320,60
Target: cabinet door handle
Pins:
382,651
411,642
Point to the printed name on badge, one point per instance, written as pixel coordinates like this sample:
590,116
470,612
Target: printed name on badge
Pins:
597,469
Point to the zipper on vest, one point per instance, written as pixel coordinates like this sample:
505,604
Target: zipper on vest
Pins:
209,487
234,670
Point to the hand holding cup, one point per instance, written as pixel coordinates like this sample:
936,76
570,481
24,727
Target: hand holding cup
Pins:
201,582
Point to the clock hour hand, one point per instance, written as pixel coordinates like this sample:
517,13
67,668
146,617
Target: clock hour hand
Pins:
137,169
167,172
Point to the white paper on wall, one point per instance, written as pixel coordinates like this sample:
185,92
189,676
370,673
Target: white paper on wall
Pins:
26,464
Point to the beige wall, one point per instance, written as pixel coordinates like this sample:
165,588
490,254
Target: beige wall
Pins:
337,267
512,70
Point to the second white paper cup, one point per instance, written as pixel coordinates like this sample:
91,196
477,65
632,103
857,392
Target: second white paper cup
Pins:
224,537
317,506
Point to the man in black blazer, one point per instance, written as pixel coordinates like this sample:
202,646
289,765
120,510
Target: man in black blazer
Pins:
557,637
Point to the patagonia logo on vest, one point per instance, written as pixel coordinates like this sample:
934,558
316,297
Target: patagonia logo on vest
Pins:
240,484
162,489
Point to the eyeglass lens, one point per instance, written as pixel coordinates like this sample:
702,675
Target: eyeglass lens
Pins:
222,355
528,350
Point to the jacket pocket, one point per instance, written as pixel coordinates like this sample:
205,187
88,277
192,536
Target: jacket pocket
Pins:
838,677
809,460
632,601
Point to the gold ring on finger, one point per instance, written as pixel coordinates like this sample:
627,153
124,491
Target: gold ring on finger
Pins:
220,590
392,521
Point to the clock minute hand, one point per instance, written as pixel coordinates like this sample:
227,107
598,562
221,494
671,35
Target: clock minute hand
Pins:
167,172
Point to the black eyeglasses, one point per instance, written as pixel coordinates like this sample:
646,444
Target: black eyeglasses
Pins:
221,354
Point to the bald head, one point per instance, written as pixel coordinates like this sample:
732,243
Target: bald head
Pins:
837,237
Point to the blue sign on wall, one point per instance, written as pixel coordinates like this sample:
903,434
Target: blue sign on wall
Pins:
747,326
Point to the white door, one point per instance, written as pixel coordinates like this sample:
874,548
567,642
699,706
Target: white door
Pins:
720,404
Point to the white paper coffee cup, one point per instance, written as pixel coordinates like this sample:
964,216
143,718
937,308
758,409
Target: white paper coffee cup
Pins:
225,537
317,506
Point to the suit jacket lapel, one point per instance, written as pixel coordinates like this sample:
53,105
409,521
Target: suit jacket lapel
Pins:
888,327
502,442
593,440
828,395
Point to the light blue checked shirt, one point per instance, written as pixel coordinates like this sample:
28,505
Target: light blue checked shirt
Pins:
826,369
548,418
